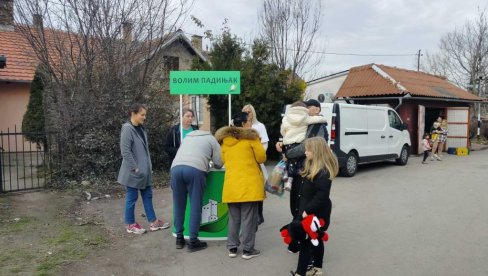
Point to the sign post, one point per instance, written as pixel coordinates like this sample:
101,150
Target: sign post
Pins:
205,83
214,213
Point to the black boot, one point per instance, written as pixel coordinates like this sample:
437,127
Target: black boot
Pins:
196,245
180,242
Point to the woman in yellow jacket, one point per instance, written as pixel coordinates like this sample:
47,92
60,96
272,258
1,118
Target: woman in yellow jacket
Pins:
242,152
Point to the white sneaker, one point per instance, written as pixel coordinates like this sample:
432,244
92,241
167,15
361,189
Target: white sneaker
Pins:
135,229
158,225
314,271
233,252
250,254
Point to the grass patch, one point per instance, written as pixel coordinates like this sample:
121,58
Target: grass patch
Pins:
71,243
10,223
14,259
16,225
42,245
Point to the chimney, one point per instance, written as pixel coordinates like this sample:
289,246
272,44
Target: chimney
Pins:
37,21
196,42
127,31
7,15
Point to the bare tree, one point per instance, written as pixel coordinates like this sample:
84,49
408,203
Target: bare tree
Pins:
100,56
463,53
290,27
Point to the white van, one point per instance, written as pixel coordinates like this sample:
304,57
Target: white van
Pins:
360,134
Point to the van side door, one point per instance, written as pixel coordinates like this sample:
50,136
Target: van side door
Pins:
395,135
377,147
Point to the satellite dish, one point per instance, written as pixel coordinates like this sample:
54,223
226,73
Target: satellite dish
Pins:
321,98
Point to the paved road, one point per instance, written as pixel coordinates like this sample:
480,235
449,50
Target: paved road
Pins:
387,220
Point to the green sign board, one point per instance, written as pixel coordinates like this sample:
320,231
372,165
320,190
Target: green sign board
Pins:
204,82
215,214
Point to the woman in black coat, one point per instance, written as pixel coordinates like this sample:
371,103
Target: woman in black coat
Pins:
320,168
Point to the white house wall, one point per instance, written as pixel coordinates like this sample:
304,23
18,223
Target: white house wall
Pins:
327,86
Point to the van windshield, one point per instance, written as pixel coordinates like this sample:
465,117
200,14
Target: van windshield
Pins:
394,120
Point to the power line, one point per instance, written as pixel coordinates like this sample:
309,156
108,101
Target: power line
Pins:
338,53
362,55
314,52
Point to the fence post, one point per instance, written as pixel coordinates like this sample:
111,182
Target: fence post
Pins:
1,168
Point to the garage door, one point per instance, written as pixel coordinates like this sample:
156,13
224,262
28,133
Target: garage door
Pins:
458,122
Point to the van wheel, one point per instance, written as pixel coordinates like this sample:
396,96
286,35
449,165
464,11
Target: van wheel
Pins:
351,165
403,159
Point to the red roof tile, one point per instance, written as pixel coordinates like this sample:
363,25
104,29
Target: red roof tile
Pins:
21,60
380,80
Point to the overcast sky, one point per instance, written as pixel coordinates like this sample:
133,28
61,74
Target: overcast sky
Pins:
374,27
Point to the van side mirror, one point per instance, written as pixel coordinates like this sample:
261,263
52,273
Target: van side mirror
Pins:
404,126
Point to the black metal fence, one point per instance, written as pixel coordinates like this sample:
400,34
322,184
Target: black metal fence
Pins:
23,165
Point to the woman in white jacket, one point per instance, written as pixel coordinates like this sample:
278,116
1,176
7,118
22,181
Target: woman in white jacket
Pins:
263,136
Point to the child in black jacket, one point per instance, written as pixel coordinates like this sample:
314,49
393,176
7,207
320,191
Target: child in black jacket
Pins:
321,166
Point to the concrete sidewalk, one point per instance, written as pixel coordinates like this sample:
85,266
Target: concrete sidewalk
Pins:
387,220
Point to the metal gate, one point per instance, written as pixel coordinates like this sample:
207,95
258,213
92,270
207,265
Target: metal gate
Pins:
23,165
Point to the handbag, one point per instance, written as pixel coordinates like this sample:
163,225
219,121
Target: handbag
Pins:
274,183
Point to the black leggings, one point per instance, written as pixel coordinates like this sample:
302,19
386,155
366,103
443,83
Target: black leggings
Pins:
308,251
426,154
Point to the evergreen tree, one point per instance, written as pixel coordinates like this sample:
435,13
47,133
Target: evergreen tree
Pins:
226,55
33,121
263,84
268,88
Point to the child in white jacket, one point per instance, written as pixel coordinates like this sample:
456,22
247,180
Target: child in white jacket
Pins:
294,129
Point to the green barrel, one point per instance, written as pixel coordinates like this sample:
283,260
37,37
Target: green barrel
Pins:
214,212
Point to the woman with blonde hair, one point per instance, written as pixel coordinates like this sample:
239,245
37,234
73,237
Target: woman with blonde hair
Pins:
263,135
257,125
321,167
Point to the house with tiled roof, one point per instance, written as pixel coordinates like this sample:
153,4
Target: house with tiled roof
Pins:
418,97
21,62
16,76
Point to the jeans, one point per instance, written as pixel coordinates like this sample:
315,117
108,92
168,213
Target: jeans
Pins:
130,203
186,180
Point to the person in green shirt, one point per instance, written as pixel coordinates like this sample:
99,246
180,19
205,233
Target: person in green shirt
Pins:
173,139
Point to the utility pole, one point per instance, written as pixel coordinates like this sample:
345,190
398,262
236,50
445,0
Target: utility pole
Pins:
418,60
478,79
480,82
